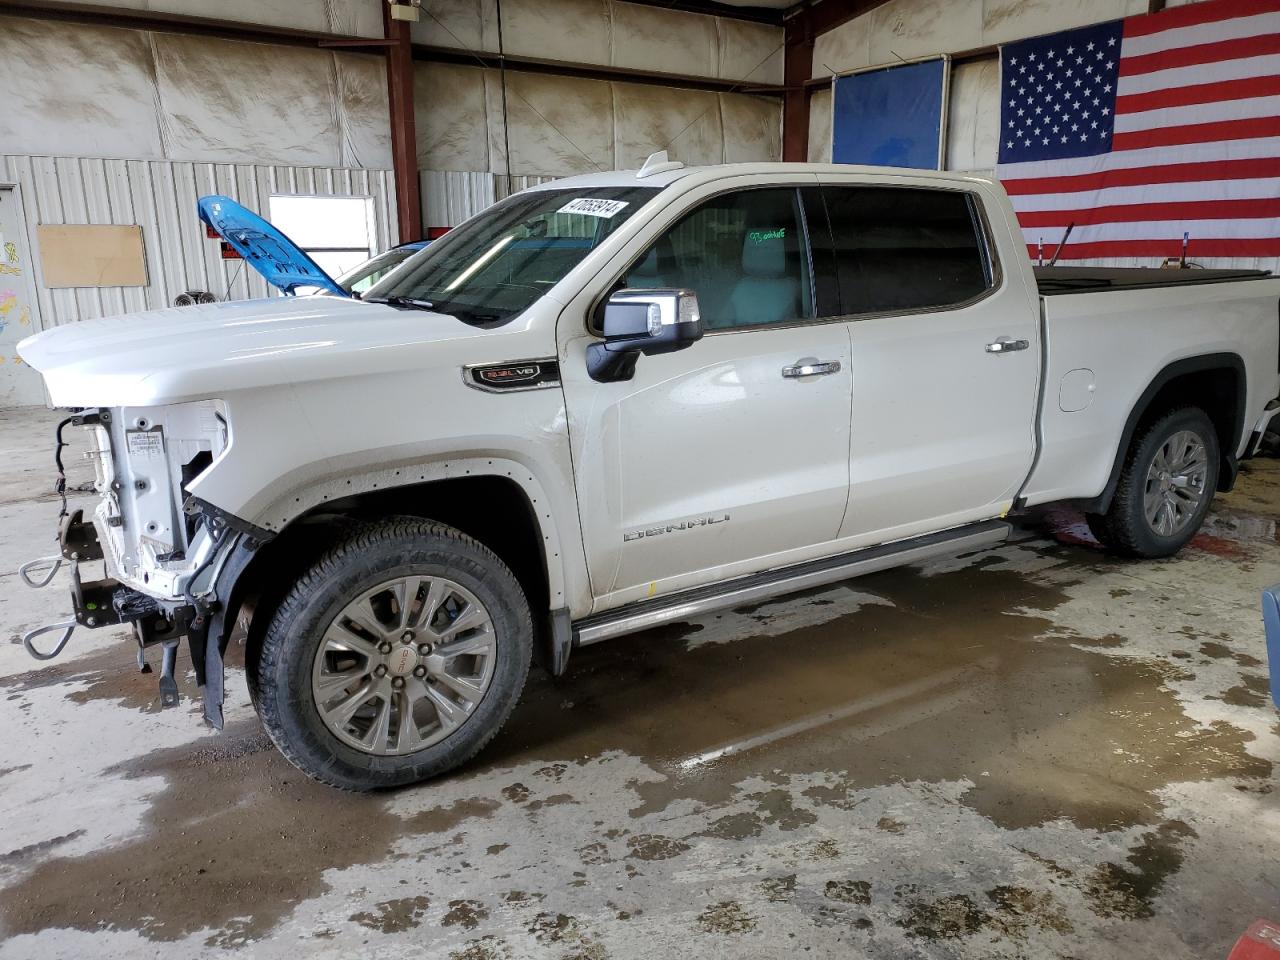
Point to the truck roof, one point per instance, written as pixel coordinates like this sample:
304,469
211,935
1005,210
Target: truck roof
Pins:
669,175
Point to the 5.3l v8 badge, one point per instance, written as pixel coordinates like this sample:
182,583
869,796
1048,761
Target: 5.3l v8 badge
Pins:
515,375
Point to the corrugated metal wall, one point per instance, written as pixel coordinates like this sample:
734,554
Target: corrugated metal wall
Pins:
451,196
161,195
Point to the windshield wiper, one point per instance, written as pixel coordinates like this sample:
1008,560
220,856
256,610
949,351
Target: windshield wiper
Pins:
402,302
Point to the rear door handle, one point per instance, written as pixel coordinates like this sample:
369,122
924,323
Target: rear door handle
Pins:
811,367
1006,345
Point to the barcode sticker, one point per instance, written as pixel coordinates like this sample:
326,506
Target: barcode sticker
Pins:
144,443
592,207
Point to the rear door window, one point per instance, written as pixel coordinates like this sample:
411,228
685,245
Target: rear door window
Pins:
906,249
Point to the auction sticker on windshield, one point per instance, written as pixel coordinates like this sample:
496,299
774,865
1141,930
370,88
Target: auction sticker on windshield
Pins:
592,207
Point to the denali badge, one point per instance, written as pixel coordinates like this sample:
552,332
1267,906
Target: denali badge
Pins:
668,528
517,375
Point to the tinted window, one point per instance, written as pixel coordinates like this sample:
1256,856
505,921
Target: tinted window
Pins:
903,249
742,253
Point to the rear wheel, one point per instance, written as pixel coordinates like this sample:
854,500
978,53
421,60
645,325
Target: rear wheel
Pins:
396,657
1165,489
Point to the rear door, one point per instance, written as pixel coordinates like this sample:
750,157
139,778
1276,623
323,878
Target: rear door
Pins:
945,359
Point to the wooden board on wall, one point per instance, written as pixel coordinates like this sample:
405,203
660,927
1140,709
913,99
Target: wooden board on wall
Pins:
92,255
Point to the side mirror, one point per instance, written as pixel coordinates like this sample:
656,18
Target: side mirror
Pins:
642,322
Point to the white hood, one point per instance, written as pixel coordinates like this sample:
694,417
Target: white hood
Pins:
205,351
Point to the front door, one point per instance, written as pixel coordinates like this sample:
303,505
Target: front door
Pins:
730,456
19,384
945,361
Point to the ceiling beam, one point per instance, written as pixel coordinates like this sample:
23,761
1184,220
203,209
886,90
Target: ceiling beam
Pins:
823,16
94,15
589,71
712,8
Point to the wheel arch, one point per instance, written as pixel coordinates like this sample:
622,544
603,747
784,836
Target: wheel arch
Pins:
497,502
1215,382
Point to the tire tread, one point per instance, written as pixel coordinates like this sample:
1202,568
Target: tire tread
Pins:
331,564
1119,529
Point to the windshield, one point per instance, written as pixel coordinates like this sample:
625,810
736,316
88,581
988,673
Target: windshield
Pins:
361,278
496,264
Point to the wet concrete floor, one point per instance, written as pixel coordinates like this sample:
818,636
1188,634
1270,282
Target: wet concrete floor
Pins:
1034,751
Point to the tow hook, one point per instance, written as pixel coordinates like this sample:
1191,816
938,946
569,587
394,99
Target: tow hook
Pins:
27,640
107,602
54,563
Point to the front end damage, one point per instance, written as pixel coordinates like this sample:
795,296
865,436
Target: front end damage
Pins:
170,562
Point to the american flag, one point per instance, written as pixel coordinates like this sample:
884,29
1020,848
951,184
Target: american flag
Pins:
1143,130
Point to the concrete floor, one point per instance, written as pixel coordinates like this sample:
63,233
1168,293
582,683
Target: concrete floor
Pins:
1037,751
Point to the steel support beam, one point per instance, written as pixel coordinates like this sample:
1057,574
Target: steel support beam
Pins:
713,8
404,131
131,19
797,67
587,71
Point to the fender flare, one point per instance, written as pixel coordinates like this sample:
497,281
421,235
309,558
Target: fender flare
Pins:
293,504
1178,368
207,649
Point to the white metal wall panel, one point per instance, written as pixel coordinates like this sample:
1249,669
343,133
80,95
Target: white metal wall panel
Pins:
558,126
609,34
451,196
920,28
92,91
820,126
348,17
161,196
973,118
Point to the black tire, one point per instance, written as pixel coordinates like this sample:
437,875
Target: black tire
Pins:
1098,527
1124,528
359,562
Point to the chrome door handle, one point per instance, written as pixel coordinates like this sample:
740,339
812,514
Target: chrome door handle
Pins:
811,367
1006,345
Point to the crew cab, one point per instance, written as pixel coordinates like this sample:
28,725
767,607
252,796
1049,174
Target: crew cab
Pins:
620,400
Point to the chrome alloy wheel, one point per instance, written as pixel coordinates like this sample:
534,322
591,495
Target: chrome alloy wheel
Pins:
1175,483
403,665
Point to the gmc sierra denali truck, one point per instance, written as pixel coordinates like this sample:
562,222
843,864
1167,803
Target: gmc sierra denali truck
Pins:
615,401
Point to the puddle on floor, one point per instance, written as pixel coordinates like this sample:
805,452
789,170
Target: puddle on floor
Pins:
958,680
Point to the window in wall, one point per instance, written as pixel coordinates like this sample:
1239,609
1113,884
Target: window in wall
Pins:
336,232
742,253
904,249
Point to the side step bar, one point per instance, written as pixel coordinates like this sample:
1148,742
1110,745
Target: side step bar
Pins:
772,583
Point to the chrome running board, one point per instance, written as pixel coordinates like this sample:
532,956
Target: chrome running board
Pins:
772,583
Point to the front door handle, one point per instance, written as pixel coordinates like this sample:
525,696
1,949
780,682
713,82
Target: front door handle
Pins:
811,367
1006,345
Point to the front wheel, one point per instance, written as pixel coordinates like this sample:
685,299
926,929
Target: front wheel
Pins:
1165,489
395,657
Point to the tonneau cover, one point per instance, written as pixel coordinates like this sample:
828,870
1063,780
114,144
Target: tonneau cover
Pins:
1056,280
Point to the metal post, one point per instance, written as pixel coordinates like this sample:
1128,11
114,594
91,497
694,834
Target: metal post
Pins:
797,67
404,134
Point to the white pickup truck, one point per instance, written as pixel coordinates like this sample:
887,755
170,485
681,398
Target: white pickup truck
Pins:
620,400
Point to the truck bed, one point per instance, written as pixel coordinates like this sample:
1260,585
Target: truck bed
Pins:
1059,280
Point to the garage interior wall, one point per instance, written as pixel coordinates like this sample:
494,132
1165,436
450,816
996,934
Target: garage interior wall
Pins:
141,123
559,125
918,28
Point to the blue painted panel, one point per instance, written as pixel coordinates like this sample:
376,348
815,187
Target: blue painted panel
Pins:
890,117
1271,621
